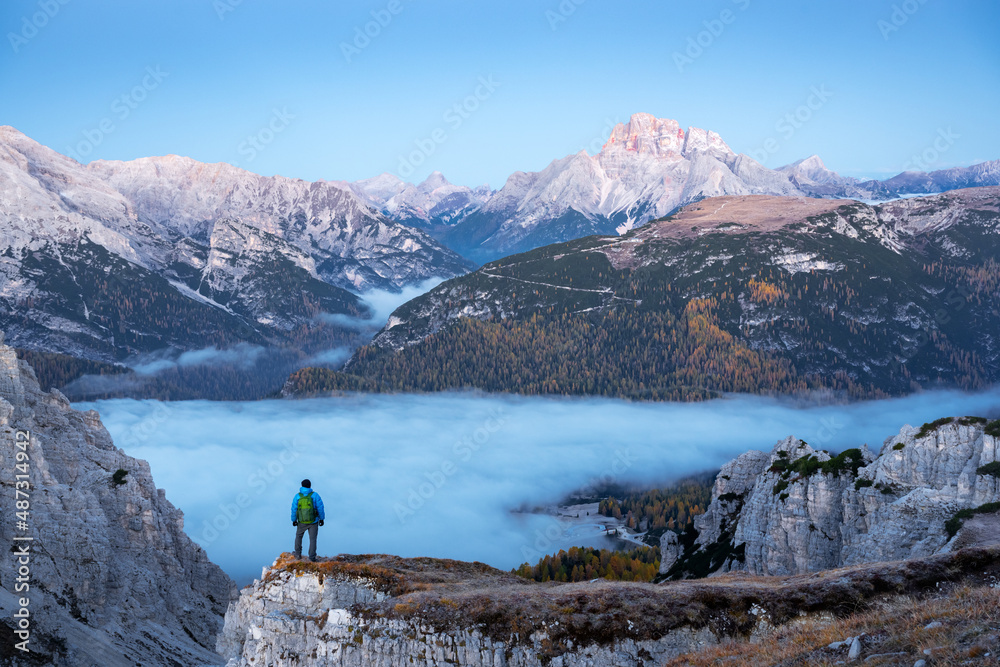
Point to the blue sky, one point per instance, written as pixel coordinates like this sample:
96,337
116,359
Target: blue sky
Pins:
296,87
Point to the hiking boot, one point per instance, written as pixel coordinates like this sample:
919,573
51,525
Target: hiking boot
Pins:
313,559
297,556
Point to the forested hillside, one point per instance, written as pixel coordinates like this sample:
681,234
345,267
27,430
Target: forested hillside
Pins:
582,564
770,295
659,510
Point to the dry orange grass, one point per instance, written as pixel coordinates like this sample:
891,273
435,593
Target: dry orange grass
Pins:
888,602
969,635
382,578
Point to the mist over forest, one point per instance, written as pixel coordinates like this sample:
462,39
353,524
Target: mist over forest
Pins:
439,475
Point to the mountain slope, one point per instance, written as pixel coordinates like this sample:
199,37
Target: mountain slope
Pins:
753,294
353,246
119,258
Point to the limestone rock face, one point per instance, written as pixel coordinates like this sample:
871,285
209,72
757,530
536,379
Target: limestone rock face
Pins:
795,510
670,550
301,619
733,483
114,579
795,529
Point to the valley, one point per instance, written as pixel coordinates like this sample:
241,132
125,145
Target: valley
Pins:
460,475
501,334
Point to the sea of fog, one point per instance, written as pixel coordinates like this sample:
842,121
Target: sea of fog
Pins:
445,475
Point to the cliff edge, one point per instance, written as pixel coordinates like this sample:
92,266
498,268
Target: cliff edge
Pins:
109,575
395,612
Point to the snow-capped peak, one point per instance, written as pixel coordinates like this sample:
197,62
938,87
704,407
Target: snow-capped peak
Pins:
699,140
433,200
811,171
434,181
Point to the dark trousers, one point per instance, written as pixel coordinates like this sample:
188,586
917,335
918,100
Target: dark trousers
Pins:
300,529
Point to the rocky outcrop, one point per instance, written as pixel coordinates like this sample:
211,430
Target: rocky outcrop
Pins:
114,580
340,616
799,510
395,612
670,550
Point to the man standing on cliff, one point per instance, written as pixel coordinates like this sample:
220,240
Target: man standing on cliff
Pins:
307,515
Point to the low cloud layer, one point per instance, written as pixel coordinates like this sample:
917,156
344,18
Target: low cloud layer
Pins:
242,355
381,303
438,475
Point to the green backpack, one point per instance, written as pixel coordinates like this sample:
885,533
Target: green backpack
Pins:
305,509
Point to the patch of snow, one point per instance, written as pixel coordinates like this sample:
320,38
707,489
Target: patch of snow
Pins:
197,296
803,262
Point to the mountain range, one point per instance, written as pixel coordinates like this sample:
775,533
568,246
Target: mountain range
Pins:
113,259
432,204
117,258
647,168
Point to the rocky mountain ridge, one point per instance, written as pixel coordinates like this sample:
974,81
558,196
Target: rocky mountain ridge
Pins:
114,580
434,203
237,256
353,246
797,510
648,168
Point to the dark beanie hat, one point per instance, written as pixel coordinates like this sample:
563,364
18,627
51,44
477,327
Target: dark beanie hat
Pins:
306,483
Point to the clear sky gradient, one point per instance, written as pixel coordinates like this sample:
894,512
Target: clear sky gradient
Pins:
289,87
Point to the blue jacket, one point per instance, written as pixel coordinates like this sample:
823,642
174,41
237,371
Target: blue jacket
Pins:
317,501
